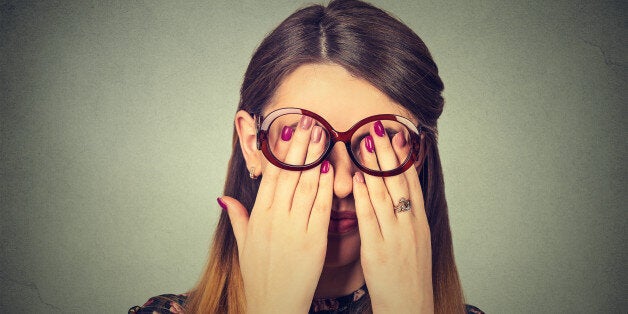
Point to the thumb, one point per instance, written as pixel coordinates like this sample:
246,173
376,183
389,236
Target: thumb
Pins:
238,215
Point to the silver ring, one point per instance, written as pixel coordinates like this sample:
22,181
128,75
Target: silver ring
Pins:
403,205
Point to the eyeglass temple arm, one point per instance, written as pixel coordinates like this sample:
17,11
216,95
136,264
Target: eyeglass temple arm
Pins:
259,134
418,146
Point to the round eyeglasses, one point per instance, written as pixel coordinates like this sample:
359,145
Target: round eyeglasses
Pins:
271,128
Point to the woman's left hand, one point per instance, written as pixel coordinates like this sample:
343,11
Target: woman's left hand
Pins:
396,252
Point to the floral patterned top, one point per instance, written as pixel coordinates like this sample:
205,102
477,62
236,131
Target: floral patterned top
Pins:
173,304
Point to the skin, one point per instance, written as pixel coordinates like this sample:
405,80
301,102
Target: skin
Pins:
286,256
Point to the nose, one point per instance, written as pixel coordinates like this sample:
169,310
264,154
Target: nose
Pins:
343,170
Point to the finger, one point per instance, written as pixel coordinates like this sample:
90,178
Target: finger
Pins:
367,219
307,187
417,214
264,197
287,180
388,159
402,148
417,217
318,221
381,200
280,148
268,184
300,141
238,216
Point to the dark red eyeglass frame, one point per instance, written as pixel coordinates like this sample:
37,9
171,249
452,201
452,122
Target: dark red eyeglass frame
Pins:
262,125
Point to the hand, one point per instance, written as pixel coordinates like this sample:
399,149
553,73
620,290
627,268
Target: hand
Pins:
396,251
282,244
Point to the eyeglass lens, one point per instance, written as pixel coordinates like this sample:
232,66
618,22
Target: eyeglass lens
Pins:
392,128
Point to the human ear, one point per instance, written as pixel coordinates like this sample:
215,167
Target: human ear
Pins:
247,135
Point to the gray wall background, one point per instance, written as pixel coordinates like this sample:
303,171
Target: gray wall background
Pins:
116,126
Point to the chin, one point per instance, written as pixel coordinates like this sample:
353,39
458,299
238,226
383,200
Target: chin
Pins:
342,250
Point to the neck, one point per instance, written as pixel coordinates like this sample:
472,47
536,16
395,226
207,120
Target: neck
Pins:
340,281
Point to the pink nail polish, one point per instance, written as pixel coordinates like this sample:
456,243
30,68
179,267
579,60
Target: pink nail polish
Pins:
400,140
306,122
286,133
317,134
359,177
379,128
325,166
370,145
222,204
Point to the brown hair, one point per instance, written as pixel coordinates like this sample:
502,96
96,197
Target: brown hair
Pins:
371,45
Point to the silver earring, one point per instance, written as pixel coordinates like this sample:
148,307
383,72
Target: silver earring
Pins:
252,173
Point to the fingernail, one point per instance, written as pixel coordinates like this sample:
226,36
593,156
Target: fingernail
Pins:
306,122
358,177
325,166
222,204
286,133
400,140
317,133
379,128
370,145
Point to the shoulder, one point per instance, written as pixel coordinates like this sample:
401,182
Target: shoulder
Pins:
470,309
162,304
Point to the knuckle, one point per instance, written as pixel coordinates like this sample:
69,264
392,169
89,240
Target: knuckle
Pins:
311,157
318,207
301,138
380,195
394,181
384,149
280,149
285,179
325,188
306,185
271,174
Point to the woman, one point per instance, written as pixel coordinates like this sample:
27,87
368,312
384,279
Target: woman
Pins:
334,200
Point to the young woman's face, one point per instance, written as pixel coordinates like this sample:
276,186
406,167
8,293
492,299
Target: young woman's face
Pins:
342,99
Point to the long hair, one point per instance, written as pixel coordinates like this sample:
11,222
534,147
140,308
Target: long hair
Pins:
373,46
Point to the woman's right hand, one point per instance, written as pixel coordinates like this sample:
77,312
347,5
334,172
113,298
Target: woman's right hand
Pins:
282,244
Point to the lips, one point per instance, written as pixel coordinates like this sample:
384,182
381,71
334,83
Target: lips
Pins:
342,222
